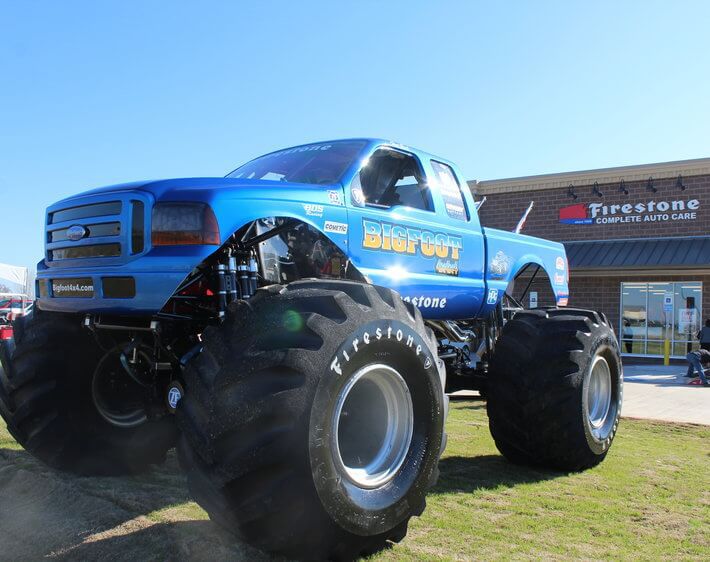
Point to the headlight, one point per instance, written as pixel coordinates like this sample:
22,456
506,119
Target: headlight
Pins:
183,223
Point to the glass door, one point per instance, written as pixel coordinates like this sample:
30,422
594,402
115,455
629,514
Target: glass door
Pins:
652,312
633,318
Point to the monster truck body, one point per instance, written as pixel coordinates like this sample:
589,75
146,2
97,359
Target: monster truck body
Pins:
440,258
293,327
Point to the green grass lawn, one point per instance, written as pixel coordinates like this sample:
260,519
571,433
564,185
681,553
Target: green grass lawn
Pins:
650,500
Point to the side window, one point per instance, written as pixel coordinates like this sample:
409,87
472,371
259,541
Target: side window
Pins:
450,191
393,178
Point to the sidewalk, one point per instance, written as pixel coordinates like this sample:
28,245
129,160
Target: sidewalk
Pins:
657,392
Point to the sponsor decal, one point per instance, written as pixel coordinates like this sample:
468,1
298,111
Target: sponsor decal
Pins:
334,198
308,148
426,302
447,267
81,287
559,279
648,211
499,264
450,190
174,396
76,232
492,296
456,211
358,196
313,210
400,333
387,237
337,227
560,263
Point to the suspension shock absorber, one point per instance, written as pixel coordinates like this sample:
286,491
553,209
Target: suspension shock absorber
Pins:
232,278
253,274
222,273
243,273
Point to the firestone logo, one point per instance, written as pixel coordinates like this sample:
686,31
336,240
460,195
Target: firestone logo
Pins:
651,211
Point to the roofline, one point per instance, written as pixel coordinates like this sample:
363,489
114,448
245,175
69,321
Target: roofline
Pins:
659,170
645,239
672,271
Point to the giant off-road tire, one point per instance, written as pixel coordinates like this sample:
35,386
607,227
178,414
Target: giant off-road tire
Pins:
555,389
312,422
46,400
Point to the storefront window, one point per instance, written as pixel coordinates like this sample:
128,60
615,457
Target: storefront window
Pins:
654,312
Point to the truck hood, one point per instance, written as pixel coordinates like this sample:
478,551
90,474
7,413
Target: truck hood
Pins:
202,188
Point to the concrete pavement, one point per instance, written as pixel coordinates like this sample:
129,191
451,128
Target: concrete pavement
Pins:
657,392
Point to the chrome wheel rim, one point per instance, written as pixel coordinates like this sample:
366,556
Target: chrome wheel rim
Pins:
373,424
599,392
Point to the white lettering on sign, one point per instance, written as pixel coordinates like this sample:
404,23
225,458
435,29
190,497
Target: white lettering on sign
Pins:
651,211
622,213
599,209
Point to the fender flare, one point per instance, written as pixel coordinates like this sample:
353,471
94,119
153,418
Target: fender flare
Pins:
531,259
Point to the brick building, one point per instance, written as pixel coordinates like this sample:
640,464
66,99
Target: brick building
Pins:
637,240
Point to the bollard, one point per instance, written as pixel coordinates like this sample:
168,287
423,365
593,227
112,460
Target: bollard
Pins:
667,352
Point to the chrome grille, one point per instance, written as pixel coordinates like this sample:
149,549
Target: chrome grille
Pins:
109,232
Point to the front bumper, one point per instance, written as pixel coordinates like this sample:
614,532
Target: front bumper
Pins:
153,279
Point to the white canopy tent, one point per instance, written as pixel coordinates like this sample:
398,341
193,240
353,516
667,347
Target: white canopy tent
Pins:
14,280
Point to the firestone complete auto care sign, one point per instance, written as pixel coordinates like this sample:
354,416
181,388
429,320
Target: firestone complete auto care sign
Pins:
641,212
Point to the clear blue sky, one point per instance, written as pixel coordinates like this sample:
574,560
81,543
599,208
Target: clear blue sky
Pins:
94,93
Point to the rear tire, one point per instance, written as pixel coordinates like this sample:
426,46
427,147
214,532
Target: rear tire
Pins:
312,422
555,389
46,401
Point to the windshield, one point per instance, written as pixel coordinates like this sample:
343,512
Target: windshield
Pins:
322,163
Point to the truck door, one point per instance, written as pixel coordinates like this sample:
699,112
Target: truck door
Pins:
401,237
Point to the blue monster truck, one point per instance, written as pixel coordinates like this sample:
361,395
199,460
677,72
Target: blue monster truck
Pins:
298,318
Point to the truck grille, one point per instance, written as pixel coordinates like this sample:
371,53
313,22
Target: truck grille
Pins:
85,211
106,231
93,251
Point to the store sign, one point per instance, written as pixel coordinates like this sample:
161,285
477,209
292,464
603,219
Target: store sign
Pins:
648,211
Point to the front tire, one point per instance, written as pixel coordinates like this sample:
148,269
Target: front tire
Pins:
555,389
313,419
46,400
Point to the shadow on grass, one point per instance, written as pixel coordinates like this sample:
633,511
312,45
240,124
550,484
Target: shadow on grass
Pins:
178,540
487,472
467,402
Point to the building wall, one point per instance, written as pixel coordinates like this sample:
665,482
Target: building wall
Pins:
503,210
507,200
603,293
